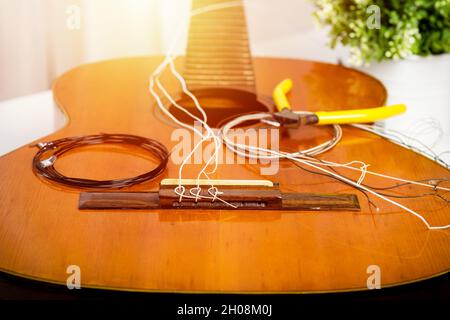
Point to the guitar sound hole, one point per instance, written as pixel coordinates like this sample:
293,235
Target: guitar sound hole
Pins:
220,105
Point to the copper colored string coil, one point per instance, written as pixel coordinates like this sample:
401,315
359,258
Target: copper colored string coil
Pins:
49,152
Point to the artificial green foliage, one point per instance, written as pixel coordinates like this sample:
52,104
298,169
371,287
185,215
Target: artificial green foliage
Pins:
407,27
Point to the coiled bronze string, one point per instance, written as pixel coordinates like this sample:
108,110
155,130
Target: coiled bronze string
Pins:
43,161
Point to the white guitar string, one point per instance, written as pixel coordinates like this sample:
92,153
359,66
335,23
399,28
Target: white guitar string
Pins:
406,141
255,151
179,190
233,123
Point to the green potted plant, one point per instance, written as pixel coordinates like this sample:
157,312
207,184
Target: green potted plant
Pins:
404,43
380,30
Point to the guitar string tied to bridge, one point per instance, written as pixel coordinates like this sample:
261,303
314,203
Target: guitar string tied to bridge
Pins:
195,193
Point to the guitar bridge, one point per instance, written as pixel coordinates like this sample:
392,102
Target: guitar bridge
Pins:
234,195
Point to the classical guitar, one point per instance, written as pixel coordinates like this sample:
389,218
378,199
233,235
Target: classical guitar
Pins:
43,231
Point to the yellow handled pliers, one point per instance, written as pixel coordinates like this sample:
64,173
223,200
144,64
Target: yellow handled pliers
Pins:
286,117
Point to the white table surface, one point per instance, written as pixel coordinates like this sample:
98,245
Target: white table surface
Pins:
28,118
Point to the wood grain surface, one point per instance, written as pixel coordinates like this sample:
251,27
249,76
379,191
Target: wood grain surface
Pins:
42,231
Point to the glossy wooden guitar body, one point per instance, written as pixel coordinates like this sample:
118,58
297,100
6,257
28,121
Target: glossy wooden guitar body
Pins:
42,231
